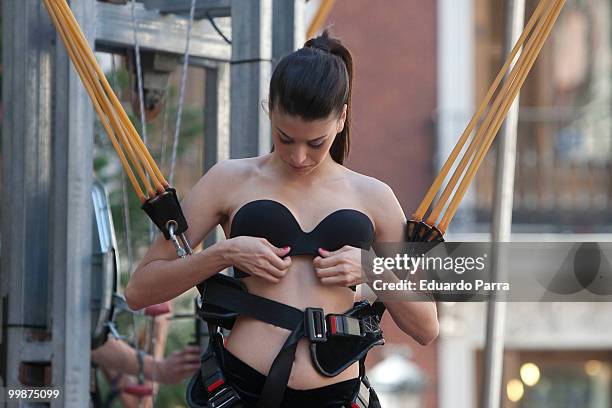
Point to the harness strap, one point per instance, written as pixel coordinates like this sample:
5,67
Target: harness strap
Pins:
212,376
362,396
311,323
271,312
278,376
362,399
257,307
318,326
219,393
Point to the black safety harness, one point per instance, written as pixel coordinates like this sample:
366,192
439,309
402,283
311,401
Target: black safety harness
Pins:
336,340
224,298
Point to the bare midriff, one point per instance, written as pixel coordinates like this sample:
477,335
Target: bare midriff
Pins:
257,343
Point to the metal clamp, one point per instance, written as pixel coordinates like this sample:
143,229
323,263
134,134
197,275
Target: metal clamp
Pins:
226,397
315,325
181,245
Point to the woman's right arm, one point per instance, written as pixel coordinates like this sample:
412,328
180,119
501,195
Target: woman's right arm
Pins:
162,276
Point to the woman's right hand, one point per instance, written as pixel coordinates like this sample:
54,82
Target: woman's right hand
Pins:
259,257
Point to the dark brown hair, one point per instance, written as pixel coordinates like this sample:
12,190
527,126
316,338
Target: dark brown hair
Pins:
314,82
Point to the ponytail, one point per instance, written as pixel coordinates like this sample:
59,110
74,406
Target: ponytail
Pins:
314,82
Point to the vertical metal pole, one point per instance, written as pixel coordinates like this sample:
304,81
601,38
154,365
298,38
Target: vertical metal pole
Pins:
26,179
70,238
455,94
216,115
455,87
501,224
46,217
216,146
250,77
216,125
288,27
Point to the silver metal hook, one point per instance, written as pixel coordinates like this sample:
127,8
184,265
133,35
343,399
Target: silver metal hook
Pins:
172,226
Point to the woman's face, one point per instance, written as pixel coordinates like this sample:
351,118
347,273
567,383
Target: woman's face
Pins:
303,145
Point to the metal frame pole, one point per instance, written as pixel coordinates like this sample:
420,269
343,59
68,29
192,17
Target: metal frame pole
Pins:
70,257
501,225
288,27
161,33
46,217
26,179
216,125
216,115
250,76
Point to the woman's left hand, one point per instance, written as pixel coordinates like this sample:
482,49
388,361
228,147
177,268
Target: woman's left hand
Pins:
339,268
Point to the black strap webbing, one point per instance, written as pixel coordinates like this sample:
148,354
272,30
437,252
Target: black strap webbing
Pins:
278,376
257,307
269,311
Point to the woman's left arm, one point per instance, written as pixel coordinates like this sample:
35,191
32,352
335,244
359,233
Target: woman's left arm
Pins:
419,319
343,267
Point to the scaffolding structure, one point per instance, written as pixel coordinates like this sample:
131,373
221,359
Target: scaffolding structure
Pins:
47,156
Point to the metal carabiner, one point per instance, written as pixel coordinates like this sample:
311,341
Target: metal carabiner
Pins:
180,251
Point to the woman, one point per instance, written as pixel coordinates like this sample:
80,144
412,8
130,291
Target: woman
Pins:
302,181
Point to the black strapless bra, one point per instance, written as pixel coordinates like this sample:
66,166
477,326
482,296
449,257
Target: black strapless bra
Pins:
273,221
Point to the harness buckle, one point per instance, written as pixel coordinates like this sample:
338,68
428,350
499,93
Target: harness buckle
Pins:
315,325
220,393
226,397
341,325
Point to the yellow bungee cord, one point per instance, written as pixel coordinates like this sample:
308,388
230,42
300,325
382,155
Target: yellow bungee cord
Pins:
158,199
113,117
534,36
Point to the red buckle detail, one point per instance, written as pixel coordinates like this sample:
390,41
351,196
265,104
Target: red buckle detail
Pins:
333,323
354,405
215,385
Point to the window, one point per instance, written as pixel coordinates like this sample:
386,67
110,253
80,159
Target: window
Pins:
564,146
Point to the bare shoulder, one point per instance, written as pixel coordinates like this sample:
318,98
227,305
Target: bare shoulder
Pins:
226,171
376,194
216,187
383,206
232,168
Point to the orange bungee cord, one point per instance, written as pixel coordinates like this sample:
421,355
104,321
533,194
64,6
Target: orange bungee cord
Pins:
158,199
531,42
